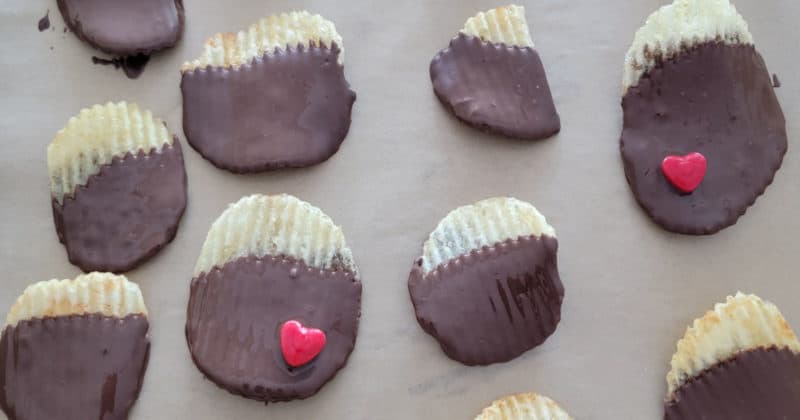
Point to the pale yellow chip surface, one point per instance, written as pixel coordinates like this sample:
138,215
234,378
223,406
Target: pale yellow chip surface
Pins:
743,322
276,225
505,25
484,223
95,137
682,24
270,33
94,293
528,406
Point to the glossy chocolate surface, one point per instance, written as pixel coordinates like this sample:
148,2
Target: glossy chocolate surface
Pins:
715,99
494,304
288,109
235,314
126,213
495,87
76,367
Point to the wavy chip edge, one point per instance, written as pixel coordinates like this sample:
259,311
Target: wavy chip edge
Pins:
93,293
506,25
744,322
678,26
527,406
484,223
276,225
274,32
95,137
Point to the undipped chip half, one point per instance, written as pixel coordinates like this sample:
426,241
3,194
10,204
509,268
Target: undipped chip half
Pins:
528,406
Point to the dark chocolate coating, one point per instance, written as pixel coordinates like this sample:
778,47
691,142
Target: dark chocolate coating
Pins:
715,99
125,27
126,213
495,87
235,314
762,384
494,304
76,367
288,109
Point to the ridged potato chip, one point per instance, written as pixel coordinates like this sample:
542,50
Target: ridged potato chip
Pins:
506,25
95,137
527,406
484,223
270,33
94,293
260,225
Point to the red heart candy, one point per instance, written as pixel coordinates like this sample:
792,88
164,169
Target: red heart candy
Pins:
685,172
299,344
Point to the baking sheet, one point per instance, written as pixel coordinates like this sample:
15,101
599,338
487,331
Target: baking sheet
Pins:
631,288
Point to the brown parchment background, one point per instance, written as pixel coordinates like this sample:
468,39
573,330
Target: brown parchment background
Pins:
631,288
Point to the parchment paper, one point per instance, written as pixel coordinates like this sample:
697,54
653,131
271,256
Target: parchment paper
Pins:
631,288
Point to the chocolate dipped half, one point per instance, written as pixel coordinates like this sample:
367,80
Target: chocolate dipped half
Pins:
740,361
275,301
123,27
74,350
118,187
491,77
487,286
703,132
270,97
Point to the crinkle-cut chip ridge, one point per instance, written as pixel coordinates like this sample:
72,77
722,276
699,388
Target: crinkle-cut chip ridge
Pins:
506,25
678,26
264,37
484,223
527,406
95,137
276,225
93,293
743,322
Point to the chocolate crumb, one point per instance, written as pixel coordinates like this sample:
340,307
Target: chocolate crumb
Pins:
44,23
132,66
776,83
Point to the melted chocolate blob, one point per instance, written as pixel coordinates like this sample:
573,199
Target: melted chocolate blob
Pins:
234,319
495,87
126,213
125,27
762,384
132,66
44,23
494,304
715,99
73,367
286,109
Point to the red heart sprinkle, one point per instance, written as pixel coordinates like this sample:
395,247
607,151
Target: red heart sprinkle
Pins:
299,344
685,172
